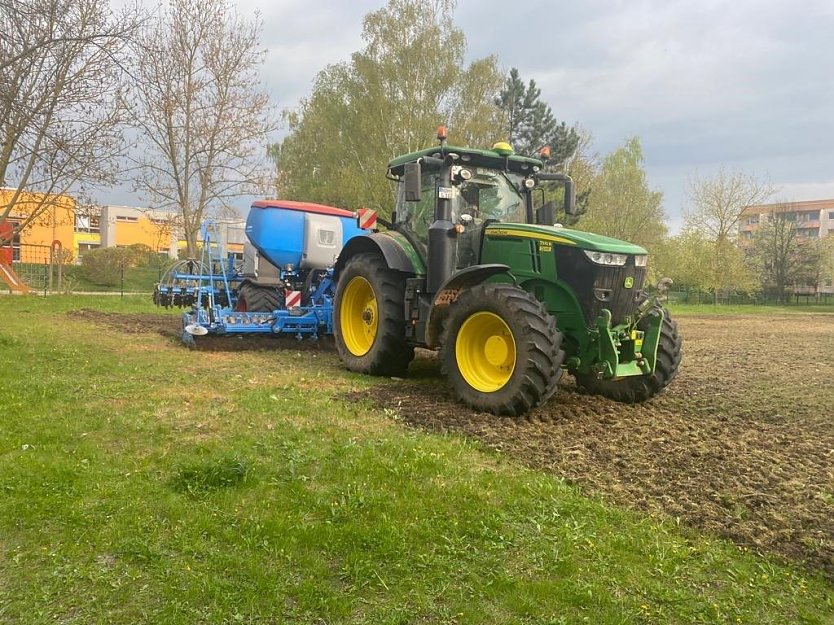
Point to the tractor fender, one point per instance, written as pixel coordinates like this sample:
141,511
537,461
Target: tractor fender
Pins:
449,292
393,253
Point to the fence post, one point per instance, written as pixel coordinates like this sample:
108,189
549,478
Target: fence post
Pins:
51,265
58,252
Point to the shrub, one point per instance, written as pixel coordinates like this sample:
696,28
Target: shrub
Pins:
104,265
141,254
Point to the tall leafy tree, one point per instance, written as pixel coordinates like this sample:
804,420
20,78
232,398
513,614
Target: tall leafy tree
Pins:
387,100
716,206
780,257
201,113
621,204
718,202
60,114
529,122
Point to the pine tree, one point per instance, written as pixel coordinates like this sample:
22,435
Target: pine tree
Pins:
530,123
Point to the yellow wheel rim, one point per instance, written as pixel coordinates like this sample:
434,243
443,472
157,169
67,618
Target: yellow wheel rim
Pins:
358,316
485,351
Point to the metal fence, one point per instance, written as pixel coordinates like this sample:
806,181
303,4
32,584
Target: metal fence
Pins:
803,297
40,267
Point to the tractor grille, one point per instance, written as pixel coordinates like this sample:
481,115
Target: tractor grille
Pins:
598,286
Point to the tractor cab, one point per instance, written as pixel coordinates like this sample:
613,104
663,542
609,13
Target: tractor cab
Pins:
476,196
448,195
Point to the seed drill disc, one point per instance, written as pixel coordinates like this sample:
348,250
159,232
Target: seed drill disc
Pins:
196,330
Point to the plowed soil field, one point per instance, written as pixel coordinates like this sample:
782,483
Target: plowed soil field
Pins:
740,445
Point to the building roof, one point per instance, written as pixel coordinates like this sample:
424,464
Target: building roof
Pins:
784,207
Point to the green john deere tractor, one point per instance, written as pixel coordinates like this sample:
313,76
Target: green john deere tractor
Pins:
471,267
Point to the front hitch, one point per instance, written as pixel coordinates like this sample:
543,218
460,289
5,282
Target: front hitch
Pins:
650,302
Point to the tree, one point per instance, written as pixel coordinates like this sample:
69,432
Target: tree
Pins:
782,258
775,249
201,114
60,113
273,152
686,259
621,204
529,123
386,101
717,203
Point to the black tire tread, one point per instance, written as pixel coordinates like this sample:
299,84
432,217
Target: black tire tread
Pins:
390,354
534,382
638,389
259,298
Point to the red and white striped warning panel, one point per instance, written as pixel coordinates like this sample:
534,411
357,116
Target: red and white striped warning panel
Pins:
293,299
366,217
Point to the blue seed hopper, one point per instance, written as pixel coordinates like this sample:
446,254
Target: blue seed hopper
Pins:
284,283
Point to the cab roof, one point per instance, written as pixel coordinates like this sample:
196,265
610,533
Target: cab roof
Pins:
470,156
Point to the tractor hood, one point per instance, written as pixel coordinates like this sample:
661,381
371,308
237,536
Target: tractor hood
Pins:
564,236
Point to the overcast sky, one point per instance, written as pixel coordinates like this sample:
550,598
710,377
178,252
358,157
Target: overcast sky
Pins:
747,83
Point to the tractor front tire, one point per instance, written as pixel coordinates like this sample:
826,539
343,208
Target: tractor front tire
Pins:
254,298
369,317
501,350
637,389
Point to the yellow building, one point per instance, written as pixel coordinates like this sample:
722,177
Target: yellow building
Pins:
55,222
81,229
121,226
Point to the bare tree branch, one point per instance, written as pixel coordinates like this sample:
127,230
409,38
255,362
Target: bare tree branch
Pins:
60,99
202,115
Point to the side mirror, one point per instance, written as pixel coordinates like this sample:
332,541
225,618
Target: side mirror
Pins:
412,175
570,198
546,214
570,192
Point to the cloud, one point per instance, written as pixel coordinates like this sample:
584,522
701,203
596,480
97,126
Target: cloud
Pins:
746,83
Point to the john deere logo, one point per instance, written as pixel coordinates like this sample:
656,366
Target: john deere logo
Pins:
629,282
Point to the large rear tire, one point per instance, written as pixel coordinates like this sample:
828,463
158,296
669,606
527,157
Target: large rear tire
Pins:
369,317
254,298
501,350
637,389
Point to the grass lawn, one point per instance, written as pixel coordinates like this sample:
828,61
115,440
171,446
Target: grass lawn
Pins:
144,483
746,309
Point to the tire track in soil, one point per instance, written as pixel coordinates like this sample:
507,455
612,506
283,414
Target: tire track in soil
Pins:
740,445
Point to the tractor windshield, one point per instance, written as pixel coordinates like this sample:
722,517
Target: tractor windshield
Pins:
481,194
489,194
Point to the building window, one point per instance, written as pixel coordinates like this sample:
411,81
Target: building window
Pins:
83,248
752,221
126,218
791,216
86,223
831,215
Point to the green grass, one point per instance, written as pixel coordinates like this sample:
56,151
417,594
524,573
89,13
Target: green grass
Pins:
136,279
143,483
746,309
